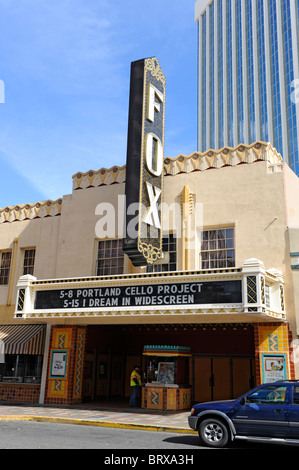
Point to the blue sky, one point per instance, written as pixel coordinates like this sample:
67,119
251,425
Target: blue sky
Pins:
65,65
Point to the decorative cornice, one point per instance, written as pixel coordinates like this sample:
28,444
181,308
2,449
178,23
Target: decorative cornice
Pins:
102,177
197,161
31,211
227,156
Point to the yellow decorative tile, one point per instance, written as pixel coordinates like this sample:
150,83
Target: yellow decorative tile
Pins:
171,399
62,338
185,399
57,388
155,399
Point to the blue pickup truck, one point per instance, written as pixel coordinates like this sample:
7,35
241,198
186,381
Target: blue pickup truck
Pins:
269,413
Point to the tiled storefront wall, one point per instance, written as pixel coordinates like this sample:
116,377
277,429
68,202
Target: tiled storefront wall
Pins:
65,365
19,393
273,342
166,398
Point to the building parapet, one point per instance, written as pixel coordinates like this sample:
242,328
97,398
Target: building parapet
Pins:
102,177
211,159
197,161
225,157
31,211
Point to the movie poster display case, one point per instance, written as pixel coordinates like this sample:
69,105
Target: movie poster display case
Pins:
166,378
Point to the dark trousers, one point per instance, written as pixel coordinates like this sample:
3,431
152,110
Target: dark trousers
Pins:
133,398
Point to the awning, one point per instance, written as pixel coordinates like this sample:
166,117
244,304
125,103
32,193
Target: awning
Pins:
23,339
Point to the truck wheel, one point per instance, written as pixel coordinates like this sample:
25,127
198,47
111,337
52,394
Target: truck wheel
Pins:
213,433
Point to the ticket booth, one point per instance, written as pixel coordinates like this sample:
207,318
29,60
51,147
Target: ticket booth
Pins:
167,384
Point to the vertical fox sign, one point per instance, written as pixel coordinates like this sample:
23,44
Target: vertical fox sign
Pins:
145,161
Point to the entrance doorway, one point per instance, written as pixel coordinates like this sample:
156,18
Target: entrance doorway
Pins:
221,367
221,377
107,375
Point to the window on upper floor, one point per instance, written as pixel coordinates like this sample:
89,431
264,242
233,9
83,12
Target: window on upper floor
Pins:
5,267
217,248
110,258
29,259
169,261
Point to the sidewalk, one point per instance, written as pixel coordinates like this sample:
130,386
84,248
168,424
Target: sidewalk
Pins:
107,416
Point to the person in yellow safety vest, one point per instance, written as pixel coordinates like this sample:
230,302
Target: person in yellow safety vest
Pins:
135,383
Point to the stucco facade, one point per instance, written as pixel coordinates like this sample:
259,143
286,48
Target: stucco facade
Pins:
247,190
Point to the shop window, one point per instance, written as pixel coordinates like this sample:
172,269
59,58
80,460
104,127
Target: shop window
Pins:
21,368
5,267
110,258
169,251
167,370
29,258
217,248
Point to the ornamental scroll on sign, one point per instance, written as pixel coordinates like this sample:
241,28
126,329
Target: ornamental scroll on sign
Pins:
145,162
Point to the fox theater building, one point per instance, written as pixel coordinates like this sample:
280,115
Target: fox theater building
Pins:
185,266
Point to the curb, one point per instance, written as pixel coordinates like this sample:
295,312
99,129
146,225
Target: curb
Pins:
107,424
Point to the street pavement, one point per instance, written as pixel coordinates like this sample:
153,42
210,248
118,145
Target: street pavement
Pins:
108,415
